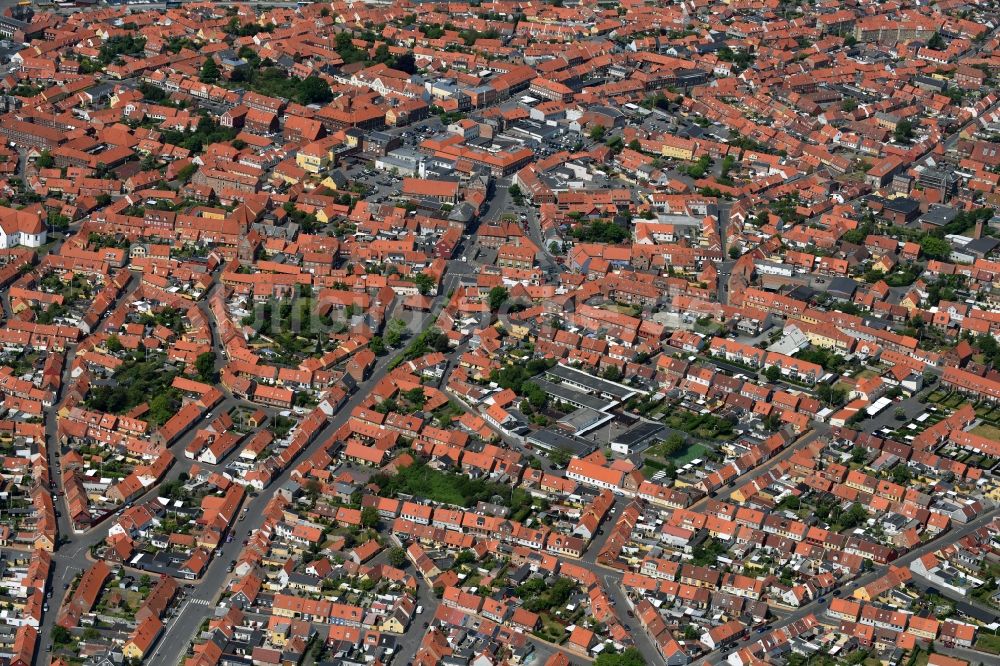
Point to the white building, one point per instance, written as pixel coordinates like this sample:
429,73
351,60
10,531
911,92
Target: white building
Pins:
21,227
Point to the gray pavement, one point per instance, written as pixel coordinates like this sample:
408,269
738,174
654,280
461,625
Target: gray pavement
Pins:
963,604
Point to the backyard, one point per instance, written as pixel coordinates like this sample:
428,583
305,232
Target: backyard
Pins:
450,488
988,643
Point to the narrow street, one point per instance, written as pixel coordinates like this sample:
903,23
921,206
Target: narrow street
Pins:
819,430
72,557
212,583
848,586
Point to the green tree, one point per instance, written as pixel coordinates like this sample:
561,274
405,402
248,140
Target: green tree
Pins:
600,231
790,502
45,160
205,366
424,283
773,373
313,90
406,63
377,345
597,132
415,396
113,344
369,517
630,657
537,398
699,168
61,635
185,172
148,162
854,517
209,71
465,557
393,336
397,557
903,132
498,296
935,248
831,395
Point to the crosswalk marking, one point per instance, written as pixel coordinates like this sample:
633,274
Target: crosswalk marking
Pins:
200,602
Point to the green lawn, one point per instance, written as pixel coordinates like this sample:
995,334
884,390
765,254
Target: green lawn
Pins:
689,453
987,431
449,487
653,465
954,401
991,415
988,643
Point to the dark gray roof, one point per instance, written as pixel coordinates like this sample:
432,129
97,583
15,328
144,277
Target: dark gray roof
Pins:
902,205
642,432
982,246
842,287
939,215
552,440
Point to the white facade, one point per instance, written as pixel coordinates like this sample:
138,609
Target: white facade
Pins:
16,238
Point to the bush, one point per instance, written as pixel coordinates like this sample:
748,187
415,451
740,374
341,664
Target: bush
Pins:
600,231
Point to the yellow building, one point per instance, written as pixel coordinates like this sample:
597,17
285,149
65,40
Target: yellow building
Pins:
677,148
519,331
143,638
393,625
312,162
317,156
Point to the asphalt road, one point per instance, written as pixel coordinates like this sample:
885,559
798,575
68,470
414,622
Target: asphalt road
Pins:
72,556
963,604
409,643
185,626
911,406
819,430
974,657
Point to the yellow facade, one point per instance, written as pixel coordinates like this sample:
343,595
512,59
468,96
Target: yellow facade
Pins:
312,163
